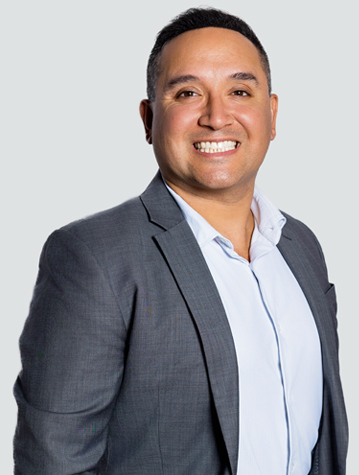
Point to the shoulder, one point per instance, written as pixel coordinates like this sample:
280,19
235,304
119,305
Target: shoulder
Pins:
125,216
118,226
295,229
111,238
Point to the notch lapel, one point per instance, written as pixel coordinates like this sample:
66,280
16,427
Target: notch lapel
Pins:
184,257
304,271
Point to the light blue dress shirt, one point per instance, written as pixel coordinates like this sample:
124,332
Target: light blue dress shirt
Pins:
276,341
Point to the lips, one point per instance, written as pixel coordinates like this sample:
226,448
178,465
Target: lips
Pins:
216,147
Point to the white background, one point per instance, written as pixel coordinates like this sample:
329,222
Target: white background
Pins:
72,76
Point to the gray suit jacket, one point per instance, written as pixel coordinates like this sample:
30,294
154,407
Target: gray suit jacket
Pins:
129,364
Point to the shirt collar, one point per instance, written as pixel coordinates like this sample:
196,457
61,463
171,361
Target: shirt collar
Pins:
269,220
201,228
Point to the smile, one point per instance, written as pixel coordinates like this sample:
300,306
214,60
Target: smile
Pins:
216,147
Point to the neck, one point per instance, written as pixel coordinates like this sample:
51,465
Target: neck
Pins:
230,215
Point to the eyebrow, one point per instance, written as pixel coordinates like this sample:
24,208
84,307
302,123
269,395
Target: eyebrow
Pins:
245,77
240,76
180,80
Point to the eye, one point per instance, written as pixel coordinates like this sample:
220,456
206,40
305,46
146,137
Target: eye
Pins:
240,93
187,94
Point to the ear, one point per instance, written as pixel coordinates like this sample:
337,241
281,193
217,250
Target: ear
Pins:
147,118
274,110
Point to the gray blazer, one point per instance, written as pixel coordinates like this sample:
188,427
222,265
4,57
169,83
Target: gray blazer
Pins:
129,364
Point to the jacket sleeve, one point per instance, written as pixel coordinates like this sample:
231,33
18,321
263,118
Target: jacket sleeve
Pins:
72,351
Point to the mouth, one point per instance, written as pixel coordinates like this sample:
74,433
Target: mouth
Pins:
216,147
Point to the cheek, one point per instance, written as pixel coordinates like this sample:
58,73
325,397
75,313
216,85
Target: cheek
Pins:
256,122
178,122
170,130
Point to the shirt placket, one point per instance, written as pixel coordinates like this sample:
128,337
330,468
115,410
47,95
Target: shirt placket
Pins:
286,395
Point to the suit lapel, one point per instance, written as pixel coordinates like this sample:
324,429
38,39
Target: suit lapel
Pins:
196,284
304,271
311,276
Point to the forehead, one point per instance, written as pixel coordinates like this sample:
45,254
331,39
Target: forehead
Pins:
206,48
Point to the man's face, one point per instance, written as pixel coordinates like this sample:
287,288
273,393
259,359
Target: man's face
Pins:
212,119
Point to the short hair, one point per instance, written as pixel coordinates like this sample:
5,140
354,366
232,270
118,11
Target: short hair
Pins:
193,19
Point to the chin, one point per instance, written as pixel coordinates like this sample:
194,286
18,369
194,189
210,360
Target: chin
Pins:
218,181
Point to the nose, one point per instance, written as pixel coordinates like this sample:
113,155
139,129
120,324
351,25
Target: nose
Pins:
215,114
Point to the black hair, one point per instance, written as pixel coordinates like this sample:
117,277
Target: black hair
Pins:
193,19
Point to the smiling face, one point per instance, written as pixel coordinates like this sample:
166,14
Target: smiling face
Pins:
212,119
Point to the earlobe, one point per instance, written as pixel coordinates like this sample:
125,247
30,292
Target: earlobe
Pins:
274,111
147,118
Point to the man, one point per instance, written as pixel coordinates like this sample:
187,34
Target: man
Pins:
192,329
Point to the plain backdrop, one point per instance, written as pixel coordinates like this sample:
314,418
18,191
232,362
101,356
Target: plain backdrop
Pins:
72,143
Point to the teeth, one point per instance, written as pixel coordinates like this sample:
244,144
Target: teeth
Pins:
215,147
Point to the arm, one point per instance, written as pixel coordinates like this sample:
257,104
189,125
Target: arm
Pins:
72,351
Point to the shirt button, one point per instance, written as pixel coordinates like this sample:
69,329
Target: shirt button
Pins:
292,467
279,328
